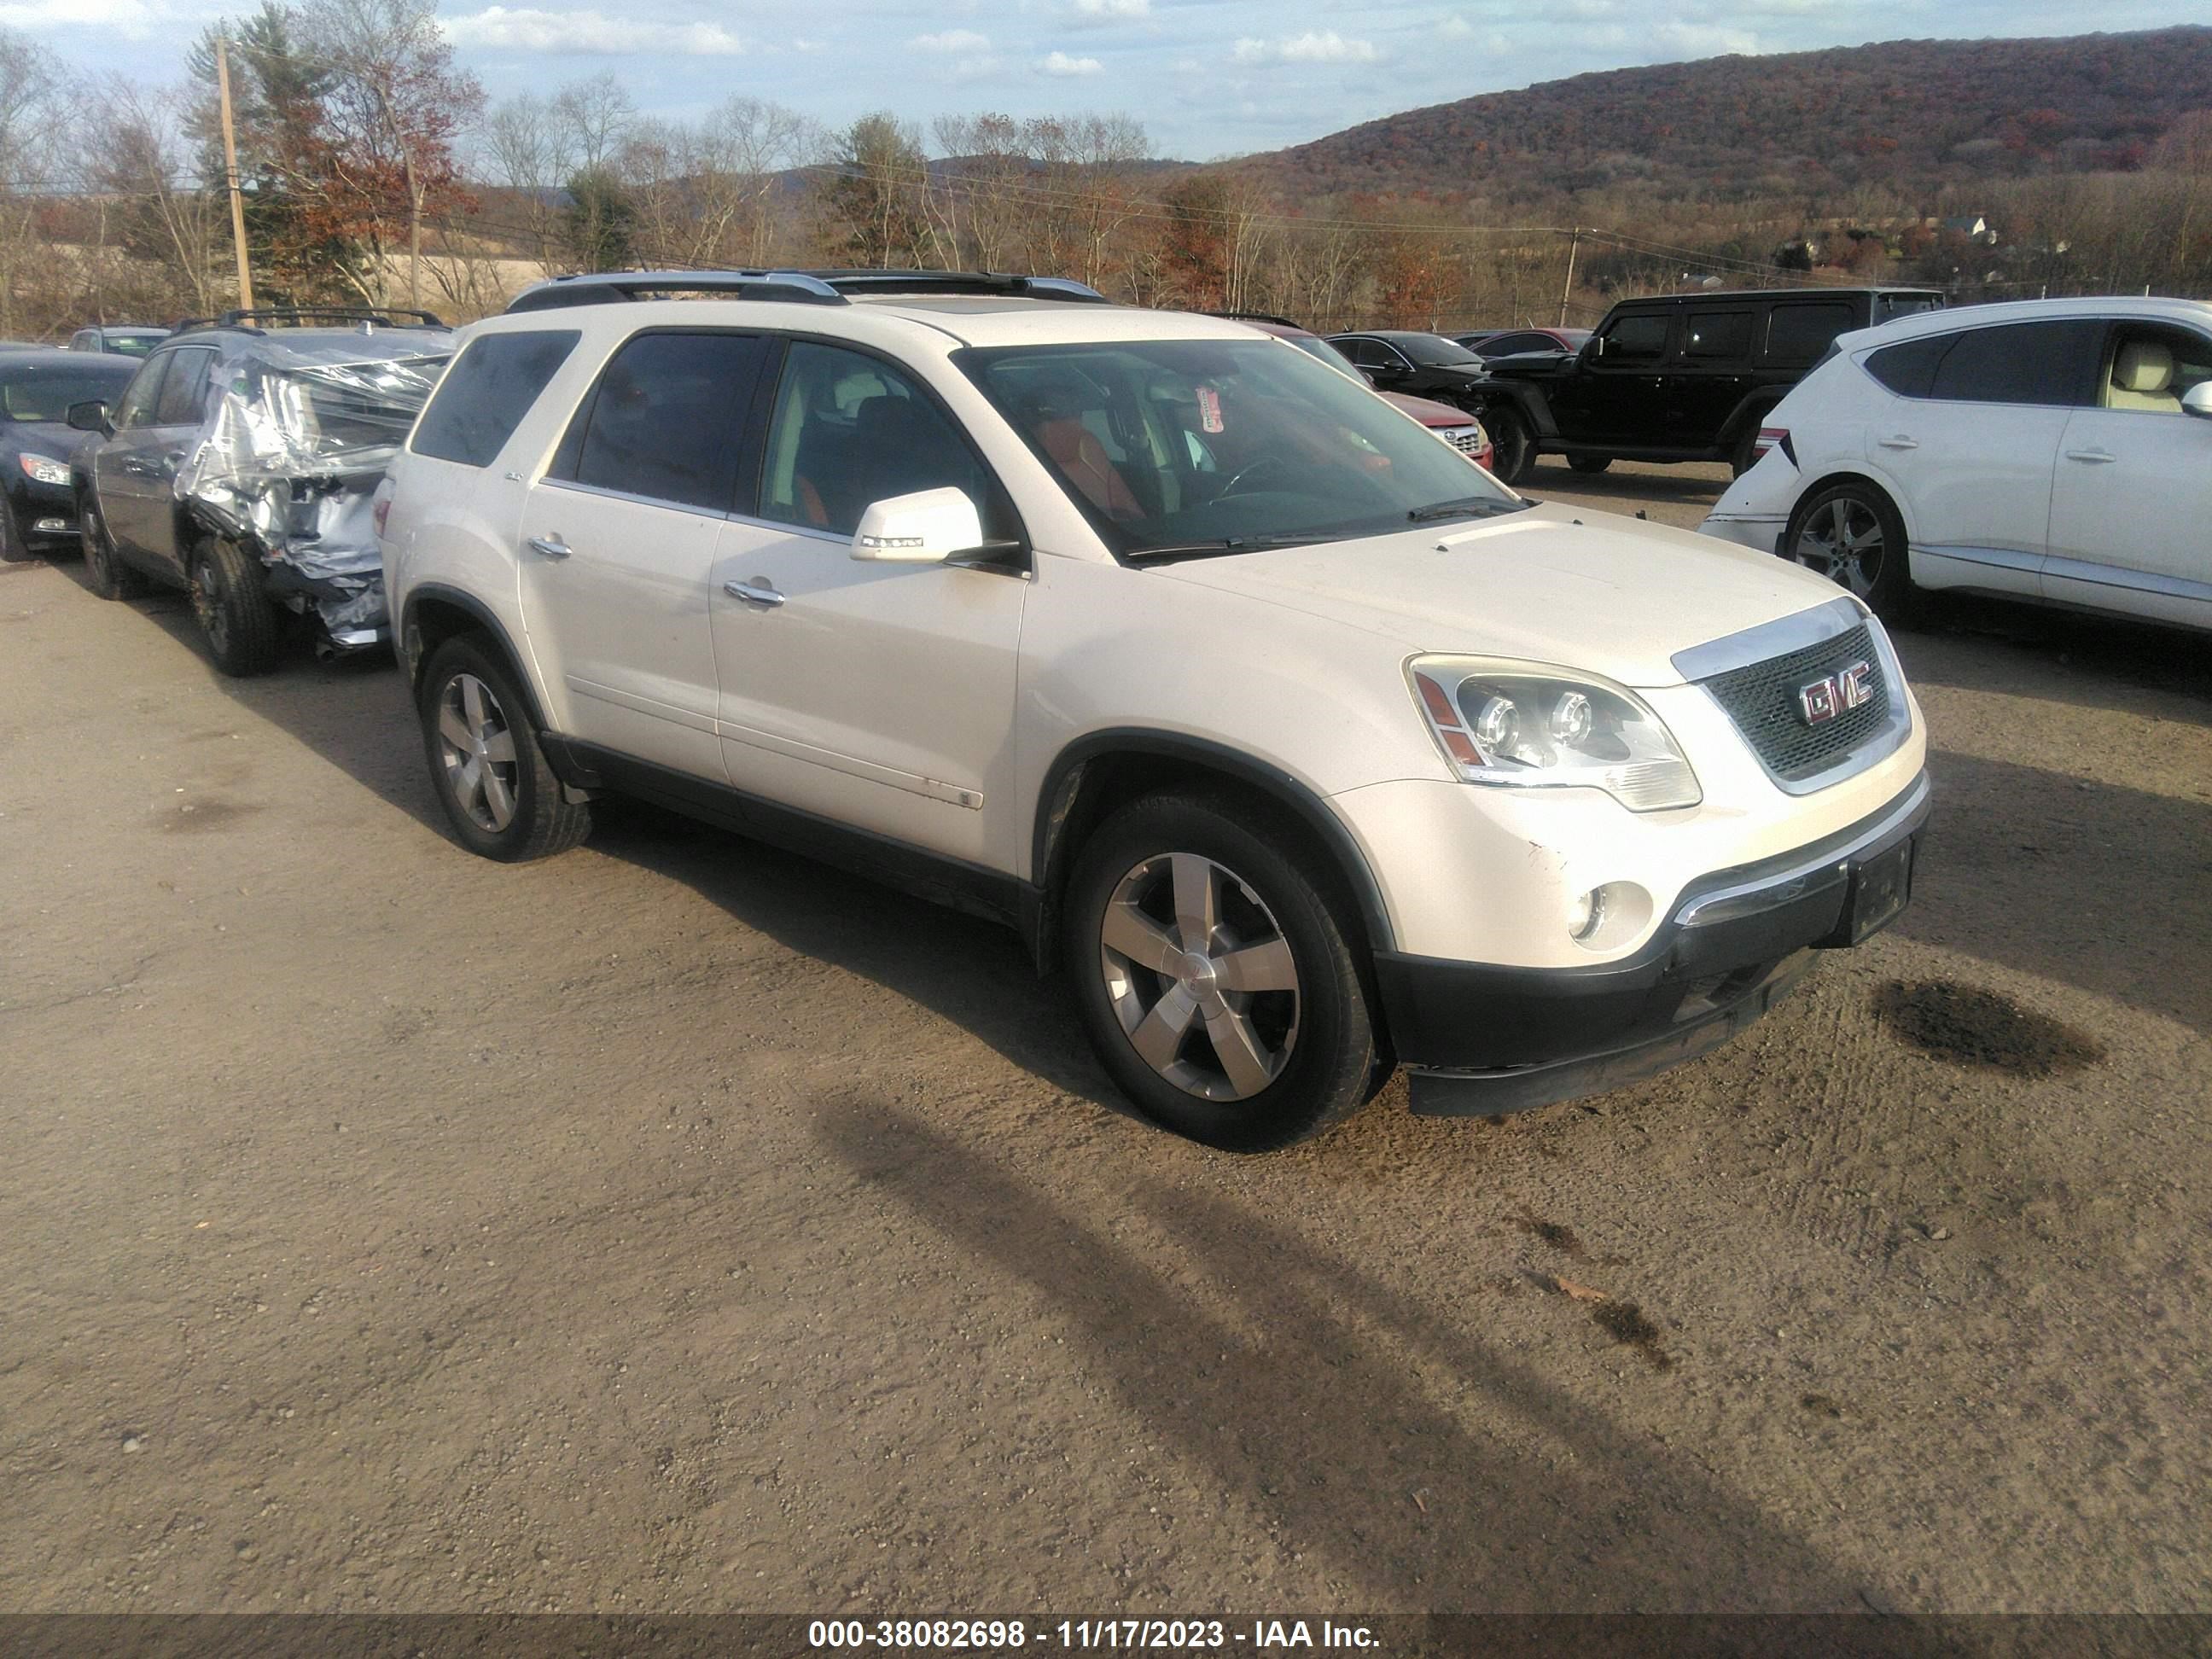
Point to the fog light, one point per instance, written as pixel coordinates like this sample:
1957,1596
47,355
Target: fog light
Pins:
1586,915
52,528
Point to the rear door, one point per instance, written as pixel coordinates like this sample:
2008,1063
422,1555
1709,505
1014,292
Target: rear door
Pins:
878,695
2131,503
618,543
1710,373
1971,439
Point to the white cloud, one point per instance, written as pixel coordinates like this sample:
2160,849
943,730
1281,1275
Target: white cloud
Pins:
1312,47
1112,11
801,43
952,40
132,18
587,33
1454,28
1061,65
1705,40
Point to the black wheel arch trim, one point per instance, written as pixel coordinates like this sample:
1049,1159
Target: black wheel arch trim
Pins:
1056,799
465,601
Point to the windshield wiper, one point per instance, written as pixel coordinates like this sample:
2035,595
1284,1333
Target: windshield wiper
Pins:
1225,545
1466,506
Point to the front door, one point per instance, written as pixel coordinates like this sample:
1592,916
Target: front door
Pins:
1616,394
2131,507
618,543
125,490
879,695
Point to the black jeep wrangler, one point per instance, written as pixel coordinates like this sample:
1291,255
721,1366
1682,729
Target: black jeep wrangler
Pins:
1683,377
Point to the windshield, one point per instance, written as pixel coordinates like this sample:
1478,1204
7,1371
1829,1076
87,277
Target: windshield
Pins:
1887,306
1314,346
1203,446
1434,350
131,345
44,393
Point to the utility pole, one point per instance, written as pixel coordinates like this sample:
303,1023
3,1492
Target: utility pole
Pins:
1574,241
414,235
230,173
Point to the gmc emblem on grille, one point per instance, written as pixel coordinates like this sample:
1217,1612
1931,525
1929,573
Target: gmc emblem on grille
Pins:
1824,699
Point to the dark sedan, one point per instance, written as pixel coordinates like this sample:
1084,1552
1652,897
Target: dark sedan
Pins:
1421,365
38,507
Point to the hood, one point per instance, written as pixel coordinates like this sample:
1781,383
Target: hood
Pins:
1614,596
52,438
1428,411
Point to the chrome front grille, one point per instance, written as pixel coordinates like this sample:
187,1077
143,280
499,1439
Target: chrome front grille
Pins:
1764,700
1467,440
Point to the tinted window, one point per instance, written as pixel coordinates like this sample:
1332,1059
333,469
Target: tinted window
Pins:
663,422
2018,363
487,392
1887,306
1799,334
1717,334
1636,337
1436,351
183,392
1371,354
1508,345
138,397
1909,369
850,430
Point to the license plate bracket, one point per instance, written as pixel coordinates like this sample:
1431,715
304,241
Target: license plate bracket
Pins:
1881,886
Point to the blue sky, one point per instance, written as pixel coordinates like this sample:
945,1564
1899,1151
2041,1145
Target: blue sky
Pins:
1206,77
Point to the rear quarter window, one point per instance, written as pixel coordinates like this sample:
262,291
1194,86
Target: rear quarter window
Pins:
487,391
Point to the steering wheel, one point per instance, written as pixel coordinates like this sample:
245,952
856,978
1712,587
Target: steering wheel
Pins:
1238,476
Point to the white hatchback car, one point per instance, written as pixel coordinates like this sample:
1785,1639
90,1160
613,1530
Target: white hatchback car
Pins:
1303,746
2040,451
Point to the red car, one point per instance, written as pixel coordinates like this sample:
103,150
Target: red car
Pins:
1455,426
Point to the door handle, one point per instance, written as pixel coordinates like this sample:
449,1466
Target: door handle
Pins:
1899,440
2096,455
551,547
761,592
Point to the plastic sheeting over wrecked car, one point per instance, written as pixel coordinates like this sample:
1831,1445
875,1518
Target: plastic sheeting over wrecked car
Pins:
301,436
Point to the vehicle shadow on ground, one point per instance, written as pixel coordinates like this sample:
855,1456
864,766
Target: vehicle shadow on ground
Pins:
1423,1467
974,973
2101,887
1550,476
1973,644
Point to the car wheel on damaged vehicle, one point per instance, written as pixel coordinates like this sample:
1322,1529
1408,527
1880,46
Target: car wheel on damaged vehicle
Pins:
1851,534
105,574
233,608
1214,977
492,776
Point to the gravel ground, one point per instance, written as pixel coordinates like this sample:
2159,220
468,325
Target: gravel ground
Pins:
678,1225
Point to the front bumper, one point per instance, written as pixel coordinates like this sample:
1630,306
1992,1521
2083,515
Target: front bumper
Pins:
46,515
1479,1040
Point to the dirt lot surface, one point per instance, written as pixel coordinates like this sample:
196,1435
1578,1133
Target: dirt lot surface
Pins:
677,1226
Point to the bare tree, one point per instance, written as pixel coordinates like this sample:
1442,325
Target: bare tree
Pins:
30,95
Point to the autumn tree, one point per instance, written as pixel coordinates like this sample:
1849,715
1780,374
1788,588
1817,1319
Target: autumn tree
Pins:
875,193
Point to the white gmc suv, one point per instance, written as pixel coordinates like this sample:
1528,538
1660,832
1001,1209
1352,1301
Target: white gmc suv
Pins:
1303,747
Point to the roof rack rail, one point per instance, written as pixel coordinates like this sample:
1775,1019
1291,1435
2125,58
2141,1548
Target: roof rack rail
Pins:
815,288
298,316
1258,317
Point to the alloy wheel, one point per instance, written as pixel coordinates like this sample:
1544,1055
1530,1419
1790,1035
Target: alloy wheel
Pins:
1201,977
477,747
1843,540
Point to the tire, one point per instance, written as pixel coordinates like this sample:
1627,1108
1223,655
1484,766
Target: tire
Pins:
14,550
1512,445
1306,1051
105,573
1860,517
235,613
487,765
1591,463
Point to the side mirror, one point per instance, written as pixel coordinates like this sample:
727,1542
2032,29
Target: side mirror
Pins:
927,527
90,415
2197,400
1594,346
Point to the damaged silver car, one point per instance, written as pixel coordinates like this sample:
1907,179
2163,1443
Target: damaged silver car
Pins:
241,464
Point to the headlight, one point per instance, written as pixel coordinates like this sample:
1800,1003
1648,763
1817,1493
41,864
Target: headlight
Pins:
1530,726
45,469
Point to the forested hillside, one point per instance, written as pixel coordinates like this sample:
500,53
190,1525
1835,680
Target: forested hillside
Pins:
1916,115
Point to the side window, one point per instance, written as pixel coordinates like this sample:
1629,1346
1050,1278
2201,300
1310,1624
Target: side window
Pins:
183,401
849,430
485,394
84,340
1365,354
2149,367
1640,337
664,421
2018,363
1909,368
1708,335
136,406
1801,333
